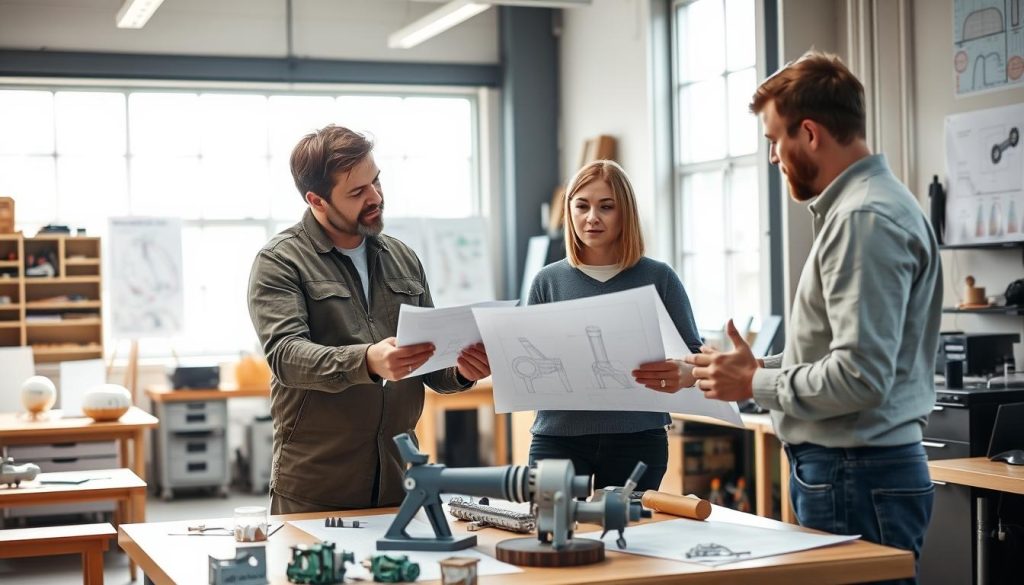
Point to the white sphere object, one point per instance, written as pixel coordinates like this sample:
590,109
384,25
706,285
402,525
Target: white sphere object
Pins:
106,402
38,394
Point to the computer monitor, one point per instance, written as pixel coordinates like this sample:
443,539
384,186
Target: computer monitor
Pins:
1008,430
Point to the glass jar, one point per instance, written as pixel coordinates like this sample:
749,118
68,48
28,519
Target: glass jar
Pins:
251,524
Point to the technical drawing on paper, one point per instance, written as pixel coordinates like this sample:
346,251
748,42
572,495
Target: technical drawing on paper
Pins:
536,365
712,550
146,277
988,44
603,368
1010,142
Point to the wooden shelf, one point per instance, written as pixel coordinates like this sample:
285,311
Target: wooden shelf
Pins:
65,323
77,262
61,280
74,351
52,306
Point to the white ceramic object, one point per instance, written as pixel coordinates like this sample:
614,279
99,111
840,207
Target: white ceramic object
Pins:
106,402
38,394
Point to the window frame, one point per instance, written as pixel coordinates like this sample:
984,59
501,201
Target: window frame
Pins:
725,165
271,224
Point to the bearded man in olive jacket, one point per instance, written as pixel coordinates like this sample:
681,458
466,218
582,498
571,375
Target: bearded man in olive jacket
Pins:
324,297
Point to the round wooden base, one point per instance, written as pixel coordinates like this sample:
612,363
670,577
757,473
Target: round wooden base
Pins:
530,552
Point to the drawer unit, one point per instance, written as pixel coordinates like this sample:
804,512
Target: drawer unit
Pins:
209,415
949,423
259,441
29,453
191,446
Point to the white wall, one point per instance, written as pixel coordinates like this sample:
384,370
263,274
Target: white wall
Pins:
605,89
933,80
323,29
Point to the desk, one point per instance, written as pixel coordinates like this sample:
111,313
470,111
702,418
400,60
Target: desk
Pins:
166,561
16,429
979,472
435,404
121,485
165,394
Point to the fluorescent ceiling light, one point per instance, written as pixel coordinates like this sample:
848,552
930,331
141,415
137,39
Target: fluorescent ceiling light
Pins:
435,23
136,13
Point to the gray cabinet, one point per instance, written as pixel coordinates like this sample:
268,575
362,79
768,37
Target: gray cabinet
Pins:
191,446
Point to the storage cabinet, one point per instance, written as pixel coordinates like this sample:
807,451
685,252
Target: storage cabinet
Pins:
50,296
191,446
81,456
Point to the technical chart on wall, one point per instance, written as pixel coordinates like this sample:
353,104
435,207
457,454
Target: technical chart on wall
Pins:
148,299
988,45
579,355
985,169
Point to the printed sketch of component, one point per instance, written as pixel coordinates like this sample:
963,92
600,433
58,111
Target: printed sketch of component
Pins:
481,515
712,551
997,149
533,366
603,367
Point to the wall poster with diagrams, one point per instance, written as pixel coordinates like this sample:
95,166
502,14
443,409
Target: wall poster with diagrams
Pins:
985,169
988,45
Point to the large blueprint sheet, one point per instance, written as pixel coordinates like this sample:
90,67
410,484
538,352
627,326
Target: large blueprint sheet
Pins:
579,355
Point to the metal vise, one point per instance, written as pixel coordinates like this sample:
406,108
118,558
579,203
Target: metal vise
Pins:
552,487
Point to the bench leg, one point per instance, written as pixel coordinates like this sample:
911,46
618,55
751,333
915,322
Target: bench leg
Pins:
92,567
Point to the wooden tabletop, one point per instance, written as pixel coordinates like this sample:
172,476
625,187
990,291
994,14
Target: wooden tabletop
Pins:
18,427
753,422
182,559
104,483
979,472
165,394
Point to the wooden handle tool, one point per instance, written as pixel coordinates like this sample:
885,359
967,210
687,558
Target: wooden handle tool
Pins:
683,506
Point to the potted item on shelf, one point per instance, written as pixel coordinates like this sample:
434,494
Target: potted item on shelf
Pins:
974,296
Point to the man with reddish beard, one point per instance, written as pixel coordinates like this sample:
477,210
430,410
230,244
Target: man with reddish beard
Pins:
851,392
324,297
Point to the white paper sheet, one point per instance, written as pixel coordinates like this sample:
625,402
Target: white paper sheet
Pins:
579,355
363,543
77,378
673,539
450,330
17,365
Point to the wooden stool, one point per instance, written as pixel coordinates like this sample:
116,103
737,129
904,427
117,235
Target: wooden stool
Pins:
89,540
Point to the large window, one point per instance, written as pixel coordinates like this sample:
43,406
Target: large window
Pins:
219,161
717,142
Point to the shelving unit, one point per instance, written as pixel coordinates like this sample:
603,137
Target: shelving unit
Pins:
41,311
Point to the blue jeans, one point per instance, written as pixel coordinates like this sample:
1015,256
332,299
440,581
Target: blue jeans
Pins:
610,457
882,493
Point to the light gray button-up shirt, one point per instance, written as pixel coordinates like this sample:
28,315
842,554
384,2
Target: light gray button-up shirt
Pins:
858,365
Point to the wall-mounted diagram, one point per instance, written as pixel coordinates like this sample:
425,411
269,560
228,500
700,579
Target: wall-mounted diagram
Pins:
1010,142
603,368
536,365
988,45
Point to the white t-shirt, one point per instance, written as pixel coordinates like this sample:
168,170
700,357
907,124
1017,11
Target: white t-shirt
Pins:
358,257
600,273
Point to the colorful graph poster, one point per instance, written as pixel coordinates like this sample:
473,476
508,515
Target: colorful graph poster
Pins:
988,45
985,169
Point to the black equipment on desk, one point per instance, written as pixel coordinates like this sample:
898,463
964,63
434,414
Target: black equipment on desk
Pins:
983,354
1007,442
196,377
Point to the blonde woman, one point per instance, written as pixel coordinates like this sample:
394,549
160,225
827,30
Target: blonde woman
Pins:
605,254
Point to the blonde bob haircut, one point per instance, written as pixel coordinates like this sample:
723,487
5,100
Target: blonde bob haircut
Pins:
631,239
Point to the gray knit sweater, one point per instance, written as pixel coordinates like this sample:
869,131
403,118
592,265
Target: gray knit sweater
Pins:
562,282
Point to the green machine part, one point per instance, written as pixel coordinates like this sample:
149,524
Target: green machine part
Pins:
318,564
388,569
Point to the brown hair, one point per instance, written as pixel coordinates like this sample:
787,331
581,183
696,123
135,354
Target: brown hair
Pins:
320,155
817,86
631,240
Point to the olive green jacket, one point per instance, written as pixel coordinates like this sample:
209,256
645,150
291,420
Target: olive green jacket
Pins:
333,421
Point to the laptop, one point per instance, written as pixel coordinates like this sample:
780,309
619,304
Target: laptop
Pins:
1007,441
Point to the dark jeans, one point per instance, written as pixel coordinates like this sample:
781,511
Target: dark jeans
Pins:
610,458
882,493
